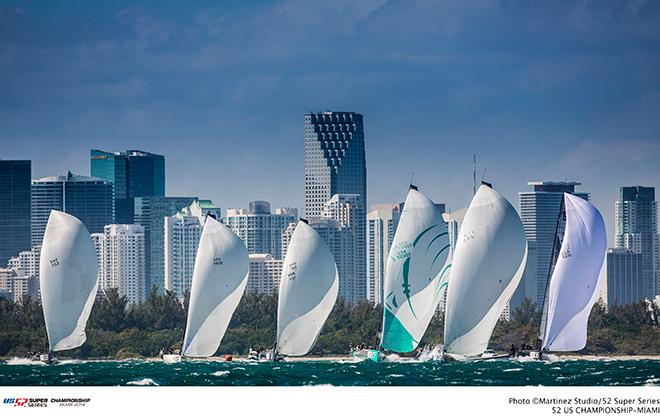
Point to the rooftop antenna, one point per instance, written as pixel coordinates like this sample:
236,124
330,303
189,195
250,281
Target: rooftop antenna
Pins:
483,175
474,174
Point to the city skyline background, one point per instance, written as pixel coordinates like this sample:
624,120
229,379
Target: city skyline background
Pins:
539,91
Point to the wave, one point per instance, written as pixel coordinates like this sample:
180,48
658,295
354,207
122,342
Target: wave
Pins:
23,361
143,382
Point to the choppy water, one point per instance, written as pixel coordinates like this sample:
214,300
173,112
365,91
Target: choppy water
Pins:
204,373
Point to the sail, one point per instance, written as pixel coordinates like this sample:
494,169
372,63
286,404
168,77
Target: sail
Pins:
68,279
417,271
573,287
488,263
219,280
308,291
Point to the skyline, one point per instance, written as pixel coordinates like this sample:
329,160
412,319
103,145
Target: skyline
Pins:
221,91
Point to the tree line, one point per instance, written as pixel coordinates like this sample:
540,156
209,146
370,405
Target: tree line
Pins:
115,330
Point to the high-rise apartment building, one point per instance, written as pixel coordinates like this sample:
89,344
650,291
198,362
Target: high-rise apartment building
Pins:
15,213
121,253
539,212
625,277
334,159
265,274
636,229
341,241
348,210
86,198
182,234
261,230
382,221
150,213
134,173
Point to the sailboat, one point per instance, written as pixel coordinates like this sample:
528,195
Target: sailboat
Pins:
572,288
308,291
488,264
416,275
68,280
219,279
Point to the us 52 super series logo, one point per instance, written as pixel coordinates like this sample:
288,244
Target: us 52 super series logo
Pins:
44,402
26,401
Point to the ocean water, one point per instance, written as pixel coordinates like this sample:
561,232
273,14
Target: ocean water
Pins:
339,373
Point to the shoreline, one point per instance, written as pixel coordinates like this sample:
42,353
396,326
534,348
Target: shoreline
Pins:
334,358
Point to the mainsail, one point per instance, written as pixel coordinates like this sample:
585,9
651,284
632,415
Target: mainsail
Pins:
490,257
219,280
68,279
416,274
573,287
308,291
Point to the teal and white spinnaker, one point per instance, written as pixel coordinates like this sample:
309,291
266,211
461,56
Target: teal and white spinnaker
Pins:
68,270
416,274
490,257
219,280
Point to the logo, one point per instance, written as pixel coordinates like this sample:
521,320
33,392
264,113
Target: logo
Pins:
26,402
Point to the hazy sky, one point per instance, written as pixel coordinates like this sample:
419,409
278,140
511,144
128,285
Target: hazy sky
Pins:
539,90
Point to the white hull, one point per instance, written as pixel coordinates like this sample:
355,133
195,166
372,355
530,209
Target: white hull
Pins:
171,358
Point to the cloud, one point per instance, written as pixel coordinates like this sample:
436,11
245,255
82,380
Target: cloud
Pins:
591,154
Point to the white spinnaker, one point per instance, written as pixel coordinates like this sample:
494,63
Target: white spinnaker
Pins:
68,279
308,291
573,287
490,256
219,280
417,270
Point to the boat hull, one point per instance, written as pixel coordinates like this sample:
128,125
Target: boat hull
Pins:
368,355
171,358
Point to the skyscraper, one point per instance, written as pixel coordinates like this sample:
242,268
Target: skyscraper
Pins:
120,250
334,159
260,230
624,277
381,227
539,212
348,210
15,179
150,212
88,199
135,173
341,241
182,233
636,229
265,274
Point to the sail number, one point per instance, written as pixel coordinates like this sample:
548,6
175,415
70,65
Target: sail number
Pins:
217,261
291,275
54,262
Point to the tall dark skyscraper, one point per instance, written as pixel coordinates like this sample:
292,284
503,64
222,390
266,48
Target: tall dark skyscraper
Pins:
15,182
334,159
335,165
636,229
89,199
134,173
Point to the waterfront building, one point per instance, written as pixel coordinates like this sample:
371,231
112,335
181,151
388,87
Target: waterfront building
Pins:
15,207
134,173
265,274
87,198
625,277
636,229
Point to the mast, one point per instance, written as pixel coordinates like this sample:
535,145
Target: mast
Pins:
474,174
551,268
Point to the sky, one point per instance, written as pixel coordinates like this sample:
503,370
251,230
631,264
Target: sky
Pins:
539,90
